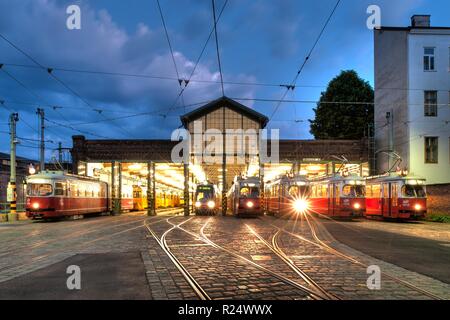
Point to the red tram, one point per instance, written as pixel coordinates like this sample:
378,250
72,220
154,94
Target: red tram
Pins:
396,196
338,196
287,195
244,197
53,194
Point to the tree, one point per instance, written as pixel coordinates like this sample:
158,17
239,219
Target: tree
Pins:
344,120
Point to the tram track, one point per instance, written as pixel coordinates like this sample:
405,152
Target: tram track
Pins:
324,246
276,249
202,237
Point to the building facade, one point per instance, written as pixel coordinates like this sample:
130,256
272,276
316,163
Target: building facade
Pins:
412,99
148,164
22,166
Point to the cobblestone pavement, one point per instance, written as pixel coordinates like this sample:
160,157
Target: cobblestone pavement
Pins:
227,258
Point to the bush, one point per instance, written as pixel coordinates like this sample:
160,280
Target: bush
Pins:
438,218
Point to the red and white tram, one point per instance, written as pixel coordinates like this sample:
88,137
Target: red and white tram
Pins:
53,194
338,196
396,196
287,195
244,198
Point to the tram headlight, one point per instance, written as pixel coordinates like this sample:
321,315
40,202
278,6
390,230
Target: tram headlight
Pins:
35,205
250,204
357,206
211,204
198,204
301,205
417,207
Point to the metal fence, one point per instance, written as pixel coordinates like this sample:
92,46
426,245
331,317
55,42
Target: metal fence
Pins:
4,207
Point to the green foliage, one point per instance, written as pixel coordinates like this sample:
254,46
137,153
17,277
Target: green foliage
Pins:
344,121
438,218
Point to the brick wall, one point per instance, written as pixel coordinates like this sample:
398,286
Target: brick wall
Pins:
439,199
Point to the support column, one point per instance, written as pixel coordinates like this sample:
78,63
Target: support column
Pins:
186,190
151,209
262,192
12,191
120,189
115,188
224,165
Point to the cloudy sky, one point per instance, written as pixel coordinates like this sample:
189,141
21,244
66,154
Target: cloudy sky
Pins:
261,41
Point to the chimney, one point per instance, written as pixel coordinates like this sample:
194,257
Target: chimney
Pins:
421,21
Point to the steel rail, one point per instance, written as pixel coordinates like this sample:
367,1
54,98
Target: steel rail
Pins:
320,244
277,275
199,291
396,279
275,248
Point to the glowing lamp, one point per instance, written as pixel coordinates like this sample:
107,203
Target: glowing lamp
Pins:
357,206
35,205
301,205
417,207
211,204
198,204
250,204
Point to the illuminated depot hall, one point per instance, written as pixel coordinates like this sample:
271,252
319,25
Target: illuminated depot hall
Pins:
145,169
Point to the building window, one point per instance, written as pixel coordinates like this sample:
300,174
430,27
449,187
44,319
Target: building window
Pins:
431,149
430,102
428,59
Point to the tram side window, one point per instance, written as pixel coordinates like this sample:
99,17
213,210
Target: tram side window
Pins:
73,190
60,189
376,191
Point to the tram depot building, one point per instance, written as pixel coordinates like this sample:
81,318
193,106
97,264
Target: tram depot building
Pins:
147,166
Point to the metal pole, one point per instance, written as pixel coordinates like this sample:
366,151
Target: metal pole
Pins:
60,153
224,167
41,115
12,191
150,191
187,210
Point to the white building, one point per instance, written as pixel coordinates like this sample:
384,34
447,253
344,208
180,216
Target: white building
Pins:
412,98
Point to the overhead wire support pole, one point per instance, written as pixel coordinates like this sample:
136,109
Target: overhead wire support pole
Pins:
41,114
12,189
217,46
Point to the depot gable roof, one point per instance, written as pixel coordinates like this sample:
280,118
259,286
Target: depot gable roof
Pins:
229,103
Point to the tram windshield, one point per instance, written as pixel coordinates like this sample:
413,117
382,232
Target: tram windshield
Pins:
39,189
411,191
298,191
356,191
204,193
249,192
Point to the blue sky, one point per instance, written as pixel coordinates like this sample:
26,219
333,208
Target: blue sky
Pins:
262,41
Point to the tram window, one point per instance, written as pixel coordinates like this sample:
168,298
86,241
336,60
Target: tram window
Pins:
249,192
413,191
353,191
376,191
39,189
60,189
394,194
